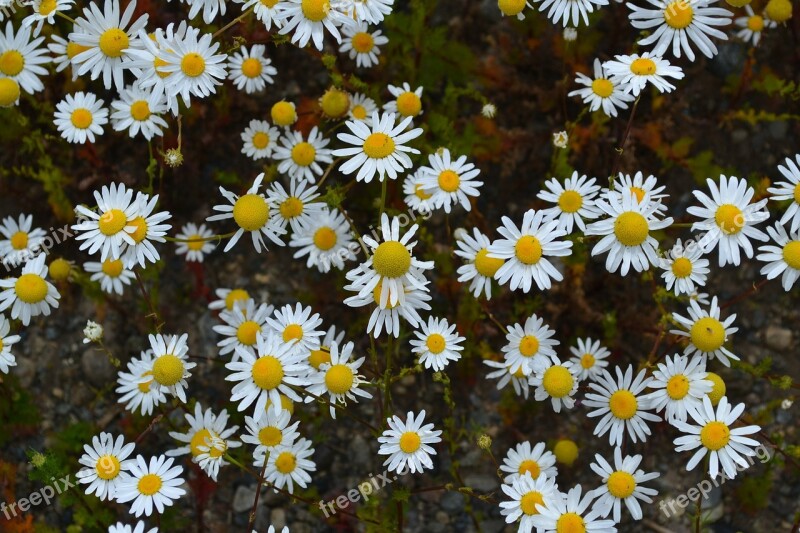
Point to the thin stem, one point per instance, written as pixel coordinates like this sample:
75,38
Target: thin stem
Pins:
232,23
621,148
65,17
153,313
258,493
328,171
336,406
217,238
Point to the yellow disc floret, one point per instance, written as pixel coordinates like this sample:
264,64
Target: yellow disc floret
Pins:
449,181
267,372
251,212
286,463
621,484
715,435
682,267
303,153
9,92
193,64
292,332
409,104
247,333
791,254
570,523
107,467
678,387
335,103
11,62
729,218
325,238
112,222
755,23
138,234
291,207
631,228
46,7
719,389
140,110
236,295
391,259
30,288
643,67
260,140
19,240
149,484
528,346
315,10
623,404
587,360
410,442
570,201
112,267
363,42
778,10
60,269
378,146
435,343
707,334
602,88
317,357
528,250
251,67
270,436
511,7
566,451
678,15
283,113
81,118
168,370
529,501
339,379
529,465
558,381
485,265
113,41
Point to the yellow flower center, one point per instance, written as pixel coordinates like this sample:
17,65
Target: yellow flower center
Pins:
587,360
236,295
303,154
140,110
570,523
112,222
376,295
638,192
19,240
378,146
251,67
74,49
707,334
195,242
112,267
449,181
602,87
81,118
678,387
391,259
248,332
729,218
529,501
623,404
363,42
158,62
292,332
797,193
46,7
203,438
621,484
529,346
193,64
251,212
755,23
107,467
149,484
11,62
9,92
678,14
779,10
643,67
335,103
315,10
286,463
270,436
291,207
511,7
325,238
31,288
571,201
791,254
529,465
283,114
339,379
286,403
719,389
359,112
682,267
566,451
557,381
113,41
59,269
528,250
420,192
267,372
168,369
631,228
269,3
144,387
435,343
260,140
715,435
317,357
409,104
139,234
485,265
410,442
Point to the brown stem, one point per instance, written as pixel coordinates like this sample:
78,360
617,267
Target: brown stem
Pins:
618,159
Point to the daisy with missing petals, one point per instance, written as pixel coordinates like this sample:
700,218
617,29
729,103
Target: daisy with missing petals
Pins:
269,430
251,212
21,59
680,386
789,190
371,11
529,347
752,26
63,51
290,464
250,70
241,327
511,8
170,365
407,102
297,206
309,19
634,72
450,181
784,259
29,295
45,11
589,357
326,239
299,158
562,9
684,268
678,22
119,527
339,379
479,269
259,139
379,148
626,232
361,108
105,465
706,332
601,91
111,274
7,359
21,240
622,483
417,198
504,375
523,460
557,381
714,437
195,242
622,405
207,439
570,512
361,44
137,111
135,390
408,443
528,494
229,299
640,187
151,485
574,201
148,228
437,344
266,11
526,250
266,372
323,353
80,116
109,39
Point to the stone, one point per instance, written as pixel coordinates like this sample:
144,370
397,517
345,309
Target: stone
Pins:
97,368
778,338
243,498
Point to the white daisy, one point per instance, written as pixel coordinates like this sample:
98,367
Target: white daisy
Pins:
789,190
291,464
361,108
148,227
511,8
408,443
784,259
207,439
266,11
80,116
680,384
570,11
21,240
407,102
526,251
417,198
601,91
622,405
210,9
228,299
9,92
170,365
107,229
535,461
504,375
714,437
45,11
195,242
300,158
156,484
530,346
371,11
63,52
259,139
640,187
361,44
7,359
450,181
323,353
136,392
326,239
570,512
574,201
309,19
479,269
297,206
21,59
339,379
297,327
557,381
29,295
635,71
105,465
589,357
622,483
268,431
119,527
706,332
242,326
111,274
684,268
752,26
437,344
137,111
250,69
527,495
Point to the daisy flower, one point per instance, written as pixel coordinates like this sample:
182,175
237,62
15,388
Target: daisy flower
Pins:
228,299
323,353
21,59
784,259
119,527
511,8
111,274
210,9
417,198
297,206
63,52
526,249
632,73
479,269
135,389
504,375
297,327
407,102
138,111
640,187
242,326
207,439
562,9
379,148
268,431
529,346
7,359
622,405
251,213
626,232
109,37
45,11
156,484
706,332
266,11
195,242
601,91
574,201
299,158
684,267
250,70
170,365
259,139
29,295
450,181
80,116
339,379
570,512
290,464
680,386
309,19
557,381
326,239
272,369
437,344
361,108
105,465
408,443
148,228
789,190
528,495
589,357
522,460
752,26
21,240
714,437
622,483
9,92
679,22
371,11
361,44
283,113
